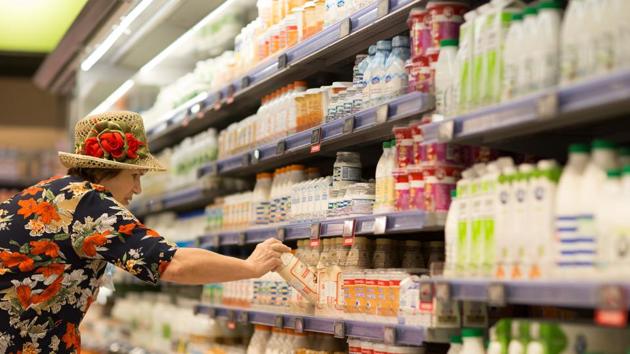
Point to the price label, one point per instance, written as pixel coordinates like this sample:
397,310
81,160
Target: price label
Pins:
348,125
217,103
245,159
230,94
497,295
316,138
446,130
339,329
242,239
299,325
426,292
281,147
279,321
213,169
231,320
256,156
281,234
612,307
283,61
383,8
345,27
243,317
216,241
547,106
245,82
315,230
389,335
382,113
185,121
443,292
380,225
348,232
200,110
212,312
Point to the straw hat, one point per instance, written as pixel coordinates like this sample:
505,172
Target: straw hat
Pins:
111,140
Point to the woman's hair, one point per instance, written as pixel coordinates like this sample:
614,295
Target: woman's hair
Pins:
94,175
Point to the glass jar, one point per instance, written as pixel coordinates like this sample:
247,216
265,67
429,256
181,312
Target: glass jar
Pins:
412,257
383,254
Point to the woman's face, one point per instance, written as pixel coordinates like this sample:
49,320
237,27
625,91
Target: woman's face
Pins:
124,185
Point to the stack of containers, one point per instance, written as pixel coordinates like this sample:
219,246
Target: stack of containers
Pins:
439,21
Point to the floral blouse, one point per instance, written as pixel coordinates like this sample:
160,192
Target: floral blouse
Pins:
56,238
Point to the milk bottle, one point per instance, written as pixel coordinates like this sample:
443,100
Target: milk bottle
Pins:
549,20
511,57
377,69
527,66
381,179
395,82
504,249
609,202
445,73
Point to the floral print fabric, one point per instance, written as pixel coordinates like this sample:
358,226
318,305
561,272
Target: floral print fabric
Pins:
55,240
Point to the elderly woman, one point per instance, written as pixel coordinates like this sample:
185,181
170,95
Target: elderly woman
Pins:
57,236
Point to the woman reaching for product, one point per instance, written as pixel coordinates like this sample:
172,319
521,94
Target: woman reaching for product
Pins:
57,236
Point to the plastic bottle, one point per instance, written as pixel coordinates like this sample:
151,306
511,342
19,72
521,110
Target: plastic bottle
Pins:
535,346
261,198
450,235
567,203
548,44
607,220
472,341
381,178
395,80
464,86
377,71
604,158
494,347
298,275
518,343
363,69
464,224
390,185
570,40
505,219
445,73
455,345
526,81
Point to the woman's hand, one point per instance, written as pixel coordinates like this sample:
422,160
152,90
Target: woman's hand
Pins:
266,257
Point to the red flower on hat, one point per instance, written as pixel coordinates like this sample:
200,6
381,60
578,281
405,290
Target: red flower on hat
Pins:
92,148
114,143
132,146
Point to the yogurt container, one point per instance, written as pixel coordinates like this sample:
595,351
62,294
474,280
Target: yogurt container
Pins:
446,17
439,181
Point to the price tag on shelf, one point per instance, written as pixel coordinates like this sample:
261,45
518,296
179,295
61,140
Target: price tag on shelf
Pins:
316,138
299,325
283,61
281,234
242,239
185,121
382,8
382,114
446,130
443,292
213,169
339,329
243,317
345,27
216,241
217,104
380,225
281,147
389,335
245,159
497,295
279,321
256,156
212,312
315,230
612,306
231,90
231,320
348,232
348,125
547,106
245,82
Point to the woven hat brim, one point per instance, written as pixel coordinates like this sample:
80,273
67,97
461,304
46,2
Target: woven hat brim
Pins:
149,162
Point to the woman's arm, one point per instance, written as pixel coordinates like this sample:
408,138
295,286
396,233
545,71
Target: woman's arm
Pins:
192,266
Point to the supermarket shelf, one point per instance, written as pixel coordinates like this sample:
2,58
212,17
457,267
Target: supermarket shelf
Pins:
578,294
408,221
383,19
571,111
185,199
383,332
370,125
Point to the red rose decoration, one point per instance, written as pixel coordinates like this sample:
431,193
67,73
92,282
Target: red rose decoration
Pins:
132,146
92,148
113,143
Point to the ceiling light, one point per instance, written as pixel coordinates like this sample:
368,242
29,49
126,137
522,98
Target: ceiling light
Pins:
121,28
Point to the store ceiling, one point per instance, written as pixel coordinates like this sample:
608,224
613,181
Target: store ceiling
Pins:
30,29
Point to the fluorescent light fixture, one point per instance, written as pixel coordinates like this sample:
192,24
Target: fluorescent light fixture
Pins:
214,15
115,96
114,35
